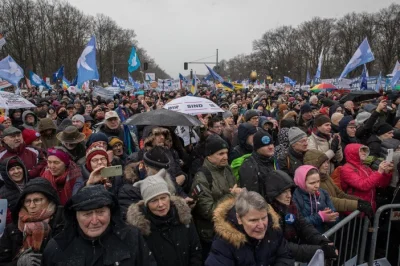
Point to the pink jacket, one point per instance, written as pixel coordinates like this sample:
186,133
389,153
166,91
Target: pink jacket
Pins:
359,180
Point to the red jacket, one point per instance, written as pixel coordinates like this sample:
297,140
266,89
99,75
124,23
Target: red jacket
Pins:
359,180
33,160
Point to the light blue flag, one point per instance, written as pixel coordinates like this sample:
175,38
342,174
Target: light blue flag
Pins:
318,74
37,81
86,65
115,82
364,79
215,74
395,79
131,80
363,55
378,82
288,80
133,61
122,83
11,71
182,78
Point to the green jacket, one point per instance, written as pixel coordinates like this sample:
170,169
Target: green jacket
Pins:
222,180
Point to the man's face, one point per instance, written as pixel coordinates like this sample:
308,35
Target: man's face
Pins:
118,149
159,140
307,116
220,158
13,141
110,105
78,124
235,110
134,105
77,105
267,151
112,123
229,121
17,114
88,108
69,146
93,223
100,114
217,128
301,145
254,120
71,111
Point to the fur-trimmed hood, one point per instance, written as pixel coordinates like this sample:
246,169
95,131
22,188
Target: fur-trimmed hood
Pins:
228,231
148,141
137,218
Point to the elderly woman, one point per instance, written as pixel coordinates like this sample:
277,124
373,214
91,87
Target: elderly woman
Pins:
15,177
248,233
37,217
158,213
303,239
64,175
95,234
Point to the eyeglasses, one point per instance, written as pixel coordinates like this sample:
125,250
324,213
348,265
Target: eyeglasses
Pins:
97,160
36,201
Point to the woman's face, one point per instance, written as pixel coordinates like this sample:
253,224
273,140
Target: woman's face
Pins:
255,223
324,167
16,173
34,203
363,154
351,131
160,205
285,197
312,183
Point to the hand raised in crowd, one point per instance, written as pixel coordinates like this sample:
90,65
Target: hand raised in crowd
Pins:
180,179
335,144
328,215
96,178
235,190
381,106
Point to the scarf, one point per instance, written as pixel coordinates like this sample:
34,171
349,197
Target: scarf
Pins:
322,135
35,228
64,183
289,230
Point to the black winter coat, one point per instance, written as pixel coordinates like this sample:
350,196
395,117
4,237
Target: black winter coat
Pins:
127,195
173,239
233,247
254,172
290,161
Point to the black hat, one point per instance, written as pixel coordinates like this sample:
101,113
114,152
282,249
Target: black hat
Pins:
279,182
383,129
90,198
156,158
306,108
215,143
249,114
261,139
99,136
319,120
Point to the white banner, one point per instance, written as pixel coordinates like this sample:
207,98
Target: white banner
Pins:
10,100
150,76
169,84
103,93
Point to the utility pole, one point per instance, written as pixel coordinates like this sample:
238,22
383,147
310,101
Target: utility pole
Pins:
217,59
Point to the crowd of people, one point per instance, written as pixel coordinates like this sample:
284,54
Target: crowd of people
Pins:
256,185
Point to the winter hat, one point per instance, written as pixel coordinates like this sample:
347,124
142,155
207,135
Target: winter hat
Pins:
60,153
153,186
306,108
345,122
319,120
11,131
261,139
281,182
91,198
156,158
249,114
215,143
288,123
29,136
383,129
315,158
96,137
233,105
14,162
78,118
227,114
295,134
362,117
93,150
244,131
336,117
300,175
111,114
113,141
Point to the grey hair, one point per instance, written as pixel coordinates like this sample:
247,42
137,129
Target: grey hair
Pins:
247,200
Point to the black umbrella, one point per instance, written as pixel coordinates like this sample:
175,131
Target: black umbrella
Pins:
162,117
360,96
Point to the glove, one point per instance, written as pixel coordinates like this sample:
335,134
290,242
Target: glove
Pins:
329,251
335,144
28,258
365,207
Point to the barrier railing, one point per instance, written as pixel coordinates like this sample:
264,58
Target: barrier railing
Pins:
350,238
374,237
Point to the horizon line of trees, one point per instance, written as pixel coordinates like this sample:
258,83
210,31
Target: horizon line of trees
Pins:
42,35
292,51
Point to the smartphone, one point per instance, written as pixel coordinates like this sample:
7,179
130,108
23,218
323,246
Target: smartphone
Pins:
389,157
111,171
196,192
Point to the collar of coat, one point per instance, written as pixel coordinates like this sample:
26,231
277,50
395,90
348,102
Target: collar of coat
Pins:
138,219
228,231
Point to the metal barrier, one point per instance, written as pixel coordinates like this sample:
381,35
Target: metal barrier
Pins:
374,237
353,251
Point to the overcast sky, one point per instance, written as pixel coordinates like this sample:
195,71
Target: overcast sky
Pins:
177,31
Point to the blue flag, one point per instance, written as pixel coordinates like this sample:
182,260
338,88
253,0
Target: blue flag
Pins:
288,80
86,65
318,74
133,61
131,80
182,78
37,81
122,83
11,71
378,82
215,74
364,79
59,74
395,79
363,55
74,81
308,79
115,82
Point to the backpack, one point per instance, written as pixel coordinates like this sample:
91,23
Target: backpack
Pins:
207,174
237,163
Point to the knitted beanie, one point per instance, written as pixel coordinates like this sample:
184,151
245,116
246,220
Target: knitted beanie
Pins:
78,118
295,134
320,120
233,105
215,143
93,150
156,158
227,114
261,139
249,114
153,186
114,141
315,158
306,108
29,136
383,129
60,153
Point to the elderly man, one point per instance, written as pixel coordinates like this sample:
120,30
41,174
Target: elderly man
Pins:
95,234
30,120
13,145
113,127
72,140
349,109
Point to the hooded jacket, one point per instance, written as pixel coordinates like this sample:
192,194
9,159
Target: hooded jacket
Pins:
244,130
172,239
25,125
10,190
359,180
303,239
310,204
119,244
50,140
233,247
346,139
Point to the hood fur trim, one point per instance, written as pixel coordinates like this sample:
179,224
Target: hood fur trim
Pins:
137,218
148,142
227,231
